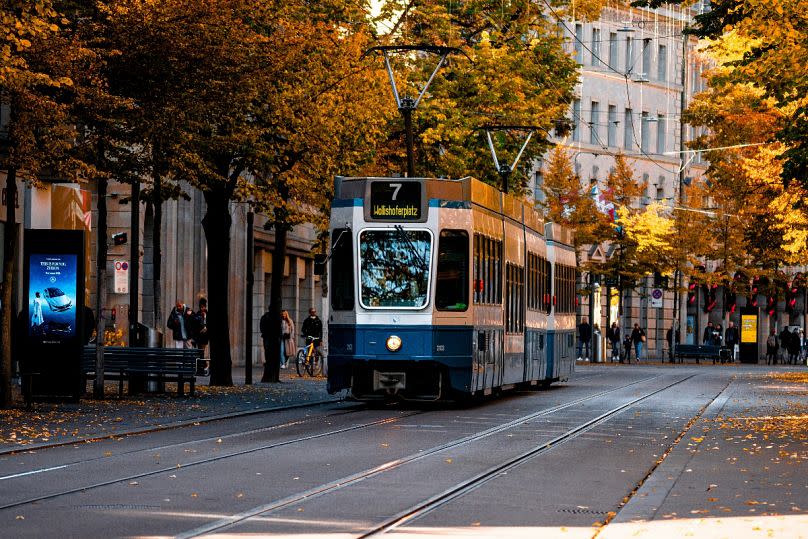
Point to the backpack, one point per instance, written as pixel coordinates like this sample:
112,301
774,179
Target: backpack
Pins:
771,341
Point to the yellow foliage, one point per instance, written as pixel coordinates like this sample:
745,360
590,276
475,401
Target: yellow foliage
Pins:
651,229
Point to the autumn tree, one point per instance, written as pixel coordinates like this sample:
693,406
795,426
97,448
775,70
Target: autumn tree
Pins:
38,134
774,40
323,117
514,72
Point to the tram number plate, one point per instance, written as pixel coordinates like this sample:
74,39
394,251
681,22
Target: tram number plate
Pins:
395,201
389,380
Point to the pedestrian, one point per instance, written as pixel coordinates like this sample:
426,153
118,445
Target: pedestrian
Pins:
89,325
584,338
265,325
180,325
637,338
669,338
771,348
718,337
731,339
627,348
613,334
708,334
794,345
785,340
37,318
288,346
201,336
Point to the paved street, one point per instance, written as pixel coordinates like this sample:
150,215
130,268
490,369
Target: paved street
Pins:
618,451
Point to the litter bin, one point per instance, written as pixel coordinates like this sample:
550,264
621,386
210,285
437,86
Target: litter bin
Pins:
145,336
137,335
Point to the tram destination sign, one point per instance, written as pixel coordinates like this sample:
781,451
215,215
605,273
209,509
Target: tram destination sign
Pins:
396,201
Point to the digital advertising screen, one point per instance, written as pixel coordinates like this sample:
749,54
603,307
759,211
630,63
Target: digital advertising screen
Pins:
52,298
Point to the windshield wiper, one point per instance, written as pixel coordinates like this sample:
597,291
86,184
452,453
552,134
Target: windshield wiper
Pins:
402,234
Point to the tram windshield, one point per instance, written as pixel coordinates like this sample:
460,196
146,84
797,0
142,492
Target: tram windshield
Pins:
394,265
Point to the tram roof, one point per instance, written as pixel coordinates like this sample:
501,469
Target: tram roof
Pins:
466,189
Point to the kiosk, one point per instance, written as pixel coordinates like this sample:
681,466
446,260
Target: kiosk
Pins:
51,336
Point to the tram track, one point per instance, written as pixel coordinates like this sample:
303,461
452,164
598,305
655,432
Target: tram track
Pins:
469,485
341,483
207,460
164,427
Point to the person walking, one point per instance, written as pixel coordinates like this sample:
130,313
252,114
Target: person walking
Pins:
288,346
794,345
180,325
707,338
731,339
669,338
771,348
201,337
584,338
637,338
613,334
785,341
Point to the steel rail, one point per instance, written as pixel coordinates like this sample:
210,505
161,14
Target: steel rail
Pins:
206,460
480,479
349,480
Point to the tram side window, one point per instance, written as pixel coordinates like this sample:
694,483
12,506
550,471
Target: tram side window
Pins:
537,281
565,289
547,278
515,293
487,270
342,270
452,286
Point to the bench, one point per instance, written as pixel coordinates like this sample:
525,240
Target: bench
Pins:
160,364
698,351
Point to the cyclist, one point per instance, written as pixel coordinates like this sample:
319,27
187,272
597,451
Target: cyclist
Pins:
313,327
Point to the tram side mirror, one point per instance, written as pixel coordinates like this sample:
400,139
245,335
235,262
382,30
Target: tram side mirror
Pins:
319,264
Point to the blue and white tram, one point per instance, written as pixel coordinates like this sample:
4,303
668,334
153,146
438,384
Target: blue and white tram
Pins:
445,288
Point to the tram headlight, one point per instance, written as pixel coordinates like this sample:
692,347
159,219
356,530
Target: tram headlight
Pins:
393,343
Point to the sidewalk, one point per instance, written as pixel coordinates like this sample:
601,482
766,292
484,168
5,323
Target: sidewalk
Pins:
55,423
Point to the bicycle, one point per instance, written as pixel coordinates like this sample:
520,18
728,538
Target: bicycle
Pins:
309,358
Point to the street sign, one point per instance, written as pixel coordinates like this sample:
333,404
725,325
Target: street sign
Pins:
656,298
121,279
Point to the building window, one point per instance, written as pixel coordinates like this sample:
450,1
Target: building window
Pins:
578,46
538,192
646,58
612,127
613,43
594,123
660,190
628,131
662,63
342,270
645,135
576,120
660,134
595,47
452,279
629,54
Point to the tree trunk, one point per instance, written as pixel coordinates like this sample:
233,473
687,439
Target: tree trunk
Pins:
157,247
273,354
7,313
216,224
101,288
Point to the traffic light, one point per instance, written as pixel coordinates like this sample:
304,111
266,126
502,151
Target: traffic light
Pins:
710,297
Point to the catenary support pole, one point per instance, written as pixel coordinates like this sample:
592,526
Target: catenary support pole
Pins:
248,303
134,262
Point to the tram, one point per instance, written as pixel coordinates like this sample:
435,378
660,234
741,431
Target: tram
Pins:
444,289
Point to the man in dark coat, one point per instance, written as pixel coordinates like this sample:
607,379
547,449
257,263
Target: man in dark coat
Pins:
731,338
584,337
708,334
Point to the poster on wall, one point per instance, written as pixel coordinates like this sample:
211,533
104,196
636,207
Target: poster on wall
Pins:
52,297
